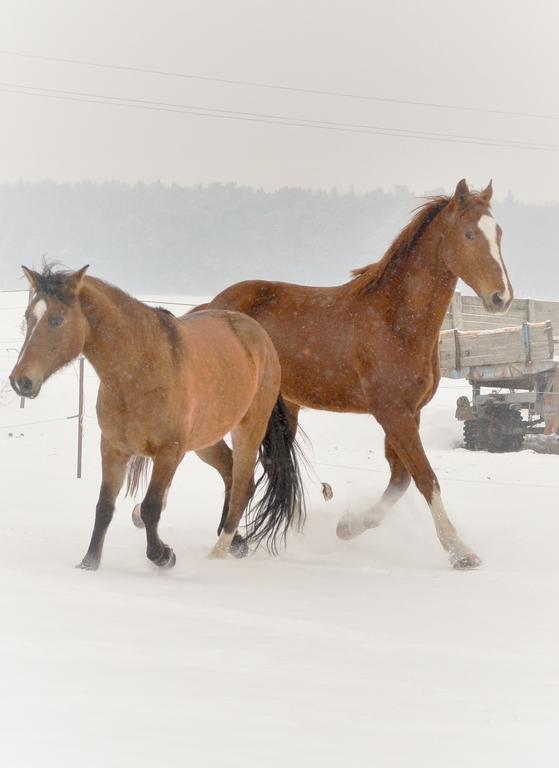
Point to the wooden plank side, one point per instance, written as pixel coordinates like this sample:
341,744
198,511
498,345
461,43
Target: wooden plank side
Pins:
548,310
500,346
475,316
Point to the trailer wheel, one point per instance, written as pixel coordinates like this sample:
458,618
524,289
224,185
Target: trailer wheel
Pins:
476,434
504,433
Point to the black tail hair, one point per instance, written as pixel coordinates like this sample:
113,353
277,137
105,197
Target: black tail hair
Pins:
282,503
137,474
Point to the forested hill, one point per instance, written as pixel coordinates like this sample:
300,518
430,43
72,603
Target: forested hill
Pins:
197,240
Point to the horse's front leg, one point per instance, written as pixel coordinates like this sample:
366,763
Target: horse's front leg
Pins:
114,465
164,467
402,431
137,511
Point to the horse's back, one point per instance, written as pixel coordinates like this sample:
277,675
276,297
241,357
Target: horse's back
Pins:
311,328
254,296
223,322
228,341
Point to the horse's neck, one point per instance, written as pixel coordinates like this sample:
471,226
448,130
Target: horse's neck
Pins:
117,325
419,290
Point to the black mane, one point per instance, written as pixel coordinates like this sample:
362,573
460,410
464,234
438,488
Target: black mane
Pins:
55,282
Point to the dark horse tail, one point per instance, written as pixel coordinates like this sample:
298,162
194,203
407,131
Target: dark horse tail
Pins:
280,500
137,474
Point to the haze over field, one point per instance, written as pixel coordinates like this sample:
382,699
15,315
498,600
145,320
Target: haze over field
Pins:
200,239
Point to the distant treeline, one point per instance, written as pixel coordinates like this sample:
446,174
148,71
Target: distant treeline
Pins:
172,239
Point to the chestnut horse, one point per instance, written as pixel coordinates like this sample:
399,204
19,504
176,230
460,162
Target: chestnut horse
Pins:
168,386
371,345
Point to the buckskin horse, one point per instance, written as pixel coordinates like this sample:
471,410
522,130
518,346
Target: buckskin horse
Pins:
371,345
168,386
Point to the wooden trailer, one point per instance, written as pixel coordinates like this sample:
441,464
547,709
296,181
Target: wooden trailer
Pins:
514,380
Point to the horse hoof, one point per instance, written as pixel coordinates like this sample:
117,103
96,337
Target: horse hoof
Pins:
88,564
217,554
137,517
238,547
349,527
327,491
167,558
465,562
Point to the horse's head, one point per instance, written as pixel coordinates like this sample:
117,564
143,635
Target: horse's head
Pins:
56,329
472,247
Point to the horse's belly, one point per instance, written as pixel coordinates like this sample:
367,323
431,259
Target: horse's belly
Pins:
328,391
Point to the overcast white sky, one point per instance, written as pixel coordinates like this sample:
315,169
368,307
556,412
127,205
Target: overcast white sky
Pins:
499,55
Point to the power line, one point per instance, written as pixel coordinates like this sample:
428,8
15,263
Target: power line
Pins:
276,87
267,116
296,122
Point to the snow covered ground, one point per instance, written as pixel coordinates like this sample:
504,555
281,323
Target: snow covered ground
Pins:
361,653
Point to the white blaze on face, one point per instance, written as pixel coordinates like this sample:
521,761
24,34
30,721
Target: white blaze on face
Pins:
38,311
488,227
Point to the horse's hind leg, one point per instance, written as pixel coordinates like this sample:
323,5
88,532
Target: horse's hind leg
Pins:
293,417
220,457
246,438
354,523
114,466
164,468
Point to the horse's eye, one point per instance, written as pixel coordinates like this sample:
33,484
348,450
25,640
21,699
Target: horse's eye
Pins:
56,321
469,234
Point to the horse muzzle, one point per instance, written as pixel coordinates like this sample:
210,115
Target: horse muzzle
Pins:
26,387
497,302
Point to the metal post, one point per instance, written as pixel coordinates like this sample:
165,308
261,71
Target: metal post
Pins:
30,296
80,418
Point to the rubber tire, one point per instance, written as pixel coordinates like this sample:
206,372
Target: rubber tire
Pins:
475,434
501,423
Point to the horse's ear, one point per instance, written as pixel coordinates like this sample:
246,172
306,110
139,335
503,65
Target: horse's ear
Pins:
77,277
487,193
462,193
32,276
